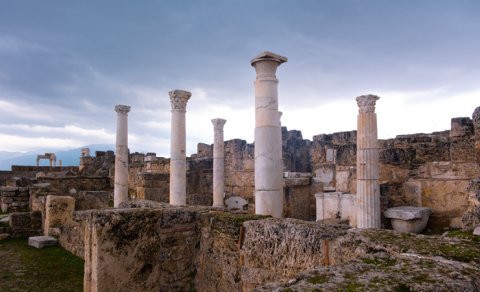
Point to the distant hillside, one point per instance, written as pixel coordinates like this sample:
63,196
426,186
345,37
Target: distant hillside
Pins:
68,157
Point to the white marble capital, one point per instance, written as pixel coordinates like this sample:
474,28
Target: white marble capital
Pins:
366,103
218,124
122,109
179,99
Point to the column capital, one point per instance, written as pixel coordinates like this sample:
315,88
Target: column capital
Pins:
476,117
366,103
179,99
268,56
122,109
218,124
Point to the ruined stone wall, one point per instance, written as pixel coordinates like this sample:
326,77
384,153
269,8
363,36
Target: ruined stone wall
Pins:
13,199
171,248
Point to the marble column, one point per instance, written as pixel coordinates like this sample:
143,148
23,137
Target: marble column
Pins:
120,190
218,162
178,163
476,125
368,190
268,148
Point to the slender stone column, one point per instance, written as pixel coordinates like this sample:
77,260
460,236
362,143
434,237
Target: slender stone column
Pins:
218,162
368,190
178,164
476,125
120,190
268,149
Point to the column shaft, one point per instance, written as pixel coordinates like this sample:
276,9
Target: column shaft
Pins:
120,190
268,147
178,166
218,163
368,191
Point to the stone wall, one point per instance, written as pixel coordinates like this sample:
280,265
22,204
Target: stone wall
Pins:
14,199
198,248
26,224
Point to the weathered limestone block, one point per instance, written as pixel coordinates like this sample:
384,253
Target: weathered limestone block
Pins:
297,200
140,250
277,249
408,219
461,127
383,272
72,235
86,200
476,125
447,199
204,151
471,218
26,223
357,243
336,205
325,175
58,212
42,241
218,262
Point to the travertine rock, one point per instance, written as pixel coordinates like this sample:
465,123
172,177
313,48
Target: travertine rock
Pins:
58,212
277,249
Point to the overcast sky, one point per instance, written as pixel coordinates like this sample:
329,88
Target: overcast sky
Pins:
64,65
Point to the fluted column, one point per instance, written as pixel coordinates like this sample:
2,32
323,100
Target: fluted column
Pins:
218,162
368,191
476,125
178,164
268,148
120,189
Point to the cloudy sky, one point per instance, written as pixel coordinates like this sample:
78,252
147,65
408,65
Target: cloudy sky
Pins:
65,64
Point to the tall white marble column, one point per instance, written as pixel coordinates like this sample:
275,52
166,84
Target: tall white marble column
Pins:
268,148
120,190
178,163
368,190
218,162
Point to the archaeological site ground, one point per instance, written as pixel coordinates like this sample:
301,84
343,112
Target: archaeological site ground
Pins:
342,212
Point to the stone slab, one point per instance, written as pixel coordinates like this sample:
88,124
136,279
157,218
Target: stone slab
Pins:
42,241
4,236
476,231
407,212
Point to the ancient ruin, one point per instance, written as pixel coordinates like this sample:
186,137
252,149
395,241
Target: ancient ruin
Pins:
268,166
277,215
178,167
218,163
368,192
121,158
51,157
